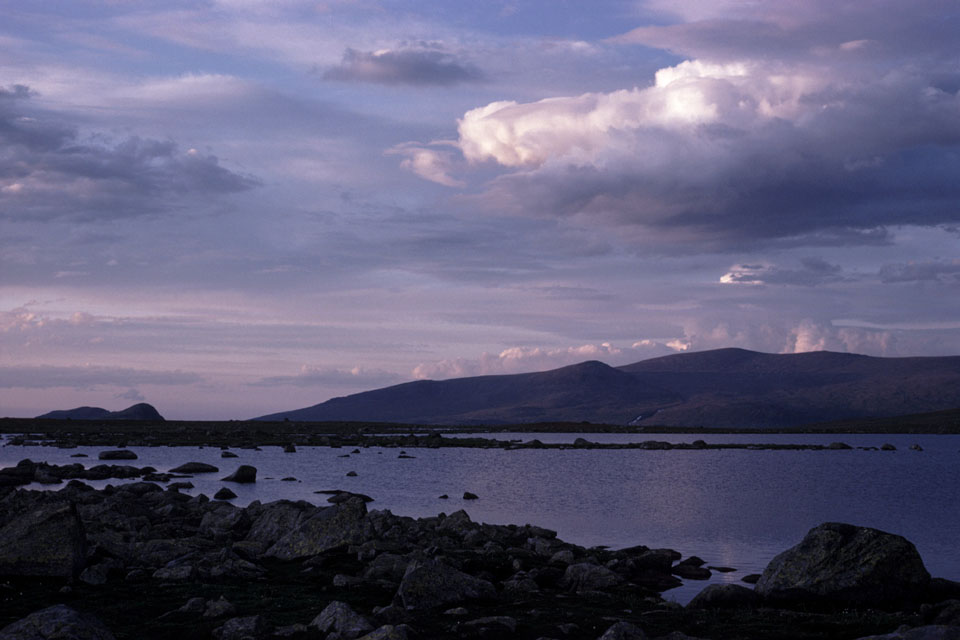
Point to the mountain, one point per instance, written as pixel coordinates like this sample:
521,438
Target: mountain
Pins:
141,411
720,388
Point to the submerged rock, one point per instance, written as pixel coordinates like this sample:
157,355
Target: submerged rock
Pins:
244,474
195,467
117,454
847,565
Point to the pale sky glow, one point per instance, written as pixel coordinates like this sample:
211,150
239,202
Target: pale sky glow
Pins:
229,209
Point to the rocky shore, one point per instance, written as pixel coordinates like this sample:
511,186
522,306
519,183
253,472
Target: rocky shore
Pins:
138,561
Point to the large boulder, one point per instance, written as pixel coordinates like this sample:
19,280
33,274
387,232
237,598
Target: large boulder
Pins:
339,618
589,577
431,583
58,622
725,596
331,528
844,564
45,541
623,631
244,474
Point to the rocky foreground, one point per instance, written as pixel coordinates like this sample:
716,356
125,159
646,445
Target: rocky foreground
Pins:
138,561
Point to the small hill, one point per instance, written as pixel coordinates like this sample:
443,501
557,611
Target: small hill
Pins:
141,411
723,388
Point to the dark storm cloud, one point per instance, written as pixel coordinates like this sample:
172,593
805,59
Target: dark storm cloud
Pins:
406,66
48,170
48,377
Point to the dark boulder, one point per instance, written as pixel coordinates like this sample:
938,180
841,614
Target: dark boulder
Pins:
46,541
340,619
331,528
244,474
117,454
623,631
246,628
589,577
431,583
195,467
725,596
58,622
844,564
224,494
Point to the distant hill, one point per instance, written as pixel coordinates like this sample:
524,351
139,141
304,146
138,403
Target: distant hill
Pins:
141,411
720,388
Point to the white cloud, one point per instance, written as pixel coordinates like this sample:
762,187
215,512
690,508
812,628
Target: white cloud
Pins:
428,163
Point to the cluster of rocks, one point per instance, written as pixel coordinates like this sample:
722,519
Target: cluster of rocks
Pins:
293,569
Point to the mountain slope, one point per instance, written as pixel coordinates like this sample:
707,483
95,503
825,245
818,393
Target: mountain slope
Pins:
720,388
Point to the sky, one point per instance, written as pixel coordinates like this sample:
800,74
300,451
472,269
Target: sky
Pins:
228,208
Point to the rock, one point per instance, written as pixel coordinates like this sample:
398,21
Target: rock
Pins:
228,454
725,596
176,573
916,447
276,520
470,496
623,631
195,467
498,623
177,486
929,632
886,446
431,583
58,622
194,606
339,618
751,578
839,446
244,474
564,556
443,497
330,528
721,569
589,577
846,565
224,494
46,541
388,632
289,479
219,608
290,448
351,474
118,454
691,572
247,628
223,519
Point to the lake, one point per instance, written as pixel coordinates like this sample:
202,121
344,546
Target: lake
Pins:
734,508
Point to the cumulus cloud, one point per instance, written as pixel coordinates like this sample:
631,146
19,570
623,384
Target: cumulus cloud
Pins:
524,359
49,171
819,145
420,67
88,377
353,378
813,271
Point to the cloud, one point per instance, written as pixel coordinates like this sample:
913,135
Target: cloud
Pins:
418,67
813,271
942,271
49,171
524,359
356,377
88,377
729,151
428,163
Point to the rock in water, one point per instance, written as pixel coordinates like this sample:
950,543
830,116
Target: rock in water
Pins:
330,528
725,596
432,583
195,467
118,454
47,541
244,474
846,565
58,622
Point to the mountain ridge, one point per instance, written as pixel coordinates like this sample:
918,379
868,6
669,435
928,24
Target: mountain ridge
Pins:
719,388
139,411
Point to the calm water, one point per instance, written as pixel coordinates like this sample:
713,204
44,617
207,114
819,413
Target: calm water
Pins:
733,507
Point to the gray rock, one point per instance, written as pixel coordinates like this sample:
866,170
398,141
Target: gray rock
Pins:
58,622
46,541
276,520
219,608
339,618
194,606
246,628
195,467
388,632
431,583
623,631
847,565
725,596
177,573
224,494
337,526
228,454
244,474
589,577
222,519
